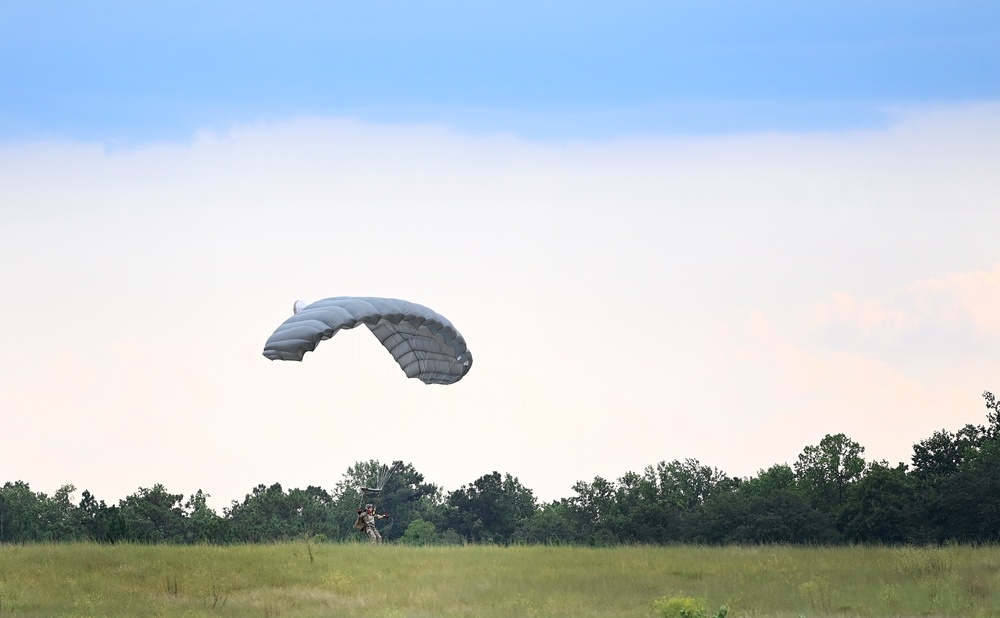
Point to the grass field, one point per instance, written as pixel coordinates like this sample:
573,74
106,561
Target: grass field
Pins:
306,579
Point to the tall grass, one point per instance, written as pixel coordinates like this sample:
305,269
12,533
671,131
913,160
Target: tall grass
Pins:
301,579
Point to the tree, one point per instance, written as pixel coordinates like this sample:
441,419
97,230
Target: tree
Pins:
206,526
779,477
153,515
767,508
779,516
490,509
98,521
551,524
594,509
687,484
269,513
21,514
824,472
649,507
993,429
965,506
956,481
420,532
61,517
944,452
881,506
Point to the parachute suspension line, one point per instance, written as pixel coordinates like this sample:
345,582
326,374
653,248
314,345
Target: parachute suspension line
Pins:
384,476
384,473
365,499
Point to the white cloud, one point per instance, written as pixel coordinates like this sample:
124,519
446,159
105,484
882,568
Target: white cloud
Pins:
971,298
959,309
626,302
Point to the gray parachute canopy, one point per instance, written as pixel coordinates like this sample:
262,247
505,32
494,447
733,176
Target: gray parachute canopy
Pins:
423,342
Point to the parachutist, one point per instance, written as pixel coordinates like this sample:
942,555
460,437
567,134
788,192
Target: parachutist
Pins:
366,521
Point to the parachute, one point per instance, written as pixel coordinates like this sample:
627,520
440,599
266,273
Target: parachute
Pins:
423,342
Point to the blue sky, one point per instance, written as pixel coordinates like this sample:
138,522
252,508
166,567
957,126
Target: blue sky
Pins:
713,230
133,72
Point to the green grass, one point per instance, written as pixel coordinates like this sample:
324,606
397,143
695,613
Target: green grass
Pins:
300,579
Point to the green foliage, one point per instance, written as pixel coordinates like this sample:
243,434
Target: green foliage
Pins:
779,477
686,484
551,524
420,533
780,516
825,471
879,507
970,499
20,513
153,515
269,514
992,430
647,508
205,525
685,607
944,452
490,509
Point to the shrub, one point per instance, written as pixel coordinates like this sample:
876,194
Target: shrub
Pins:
420,532
685,607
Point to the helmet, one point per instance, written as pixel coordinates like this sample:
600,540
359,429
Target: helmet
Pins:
369,506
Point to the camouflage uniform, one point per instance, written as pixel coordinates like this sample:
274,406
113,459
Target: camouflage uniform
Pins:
367,520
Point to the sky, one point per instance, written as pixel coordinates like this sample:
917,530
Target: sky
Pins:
666,230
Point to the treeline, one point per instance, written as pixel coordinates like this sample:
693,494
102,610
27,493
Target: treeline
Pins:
949,492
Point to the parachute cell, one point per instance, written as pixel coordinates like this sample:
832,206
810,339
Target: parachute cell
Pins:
423,342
